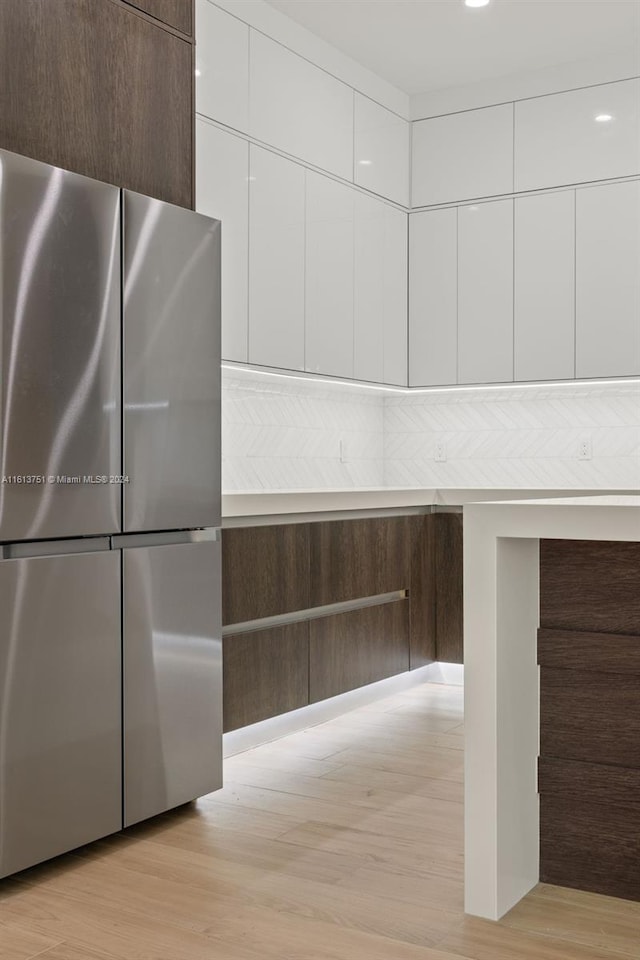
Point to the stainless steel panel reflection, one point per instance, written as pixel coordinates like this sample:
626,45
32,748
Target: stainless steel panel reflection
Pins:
60,721
59,351
171,366
172,676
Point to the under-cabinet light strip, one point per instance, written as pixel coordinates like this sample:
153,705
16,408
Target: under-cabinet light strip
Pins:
412,391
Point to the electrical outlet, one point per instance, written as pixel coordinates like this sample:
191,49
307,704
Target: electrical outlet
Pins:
584,448
440,454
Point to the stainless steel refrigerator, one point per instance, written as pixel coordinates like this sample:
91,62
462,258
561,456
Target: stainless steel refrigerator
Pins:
110,626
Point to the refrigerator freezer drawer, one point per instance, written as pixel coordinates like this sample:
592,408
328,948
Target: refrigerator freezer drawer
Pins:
171,318
60,705
59,352
172,676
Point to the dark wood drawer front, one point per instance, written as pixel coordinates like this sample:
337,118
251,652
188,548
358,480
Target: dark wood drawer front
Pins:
265,673
600,652
265,571
349,650
359,558
176,13
576,782
590,716
448,578
590,585
590,846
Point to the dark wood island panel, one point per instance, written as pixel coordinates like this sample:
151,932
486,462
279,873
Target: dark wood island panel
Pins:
175,13
589,768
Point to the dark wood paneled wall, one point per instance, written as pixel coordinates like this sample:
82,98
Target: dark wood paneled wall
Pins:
97,87
589,769
175,13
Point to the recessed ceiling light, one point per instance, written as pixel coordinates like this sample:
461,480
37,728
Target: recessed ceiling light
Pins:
476,3
604,118
365,163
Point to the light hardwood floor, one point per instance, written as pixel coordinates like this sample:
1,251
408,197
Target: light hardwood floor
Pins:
340,843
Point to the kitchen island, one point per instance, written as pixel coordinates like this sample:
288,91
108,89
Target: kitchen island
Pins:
502,706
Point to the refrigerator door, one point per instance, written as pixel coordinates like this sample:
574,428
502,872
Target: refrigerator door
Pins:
172,676
60,705
59,352
171,366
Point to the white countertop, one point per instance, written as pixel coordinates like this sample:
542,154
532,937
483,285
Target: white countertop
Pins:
501,616
302,502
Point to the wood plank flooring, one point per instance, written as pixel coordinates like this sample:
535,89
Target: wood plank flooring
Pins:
343,842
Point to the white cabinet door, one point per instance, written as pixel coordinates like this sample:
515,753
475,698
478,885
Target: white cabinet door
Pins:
222,66
299,108
544,320
485,292
433,298
380,292
276,261
329,277
608,280
381,150
222,191
462,156
567,138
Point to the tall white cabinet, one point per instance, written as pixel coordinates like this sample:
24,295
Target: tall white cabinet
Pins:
485,292
544,318
222,192
433,298
380,292
608,280
329,274
276,260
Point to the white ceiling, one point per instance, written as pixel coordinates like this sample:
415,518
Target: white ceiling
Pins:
420,45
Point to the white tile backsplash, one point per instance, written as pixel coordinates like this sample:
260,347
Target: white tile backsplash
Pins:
515,437
283,433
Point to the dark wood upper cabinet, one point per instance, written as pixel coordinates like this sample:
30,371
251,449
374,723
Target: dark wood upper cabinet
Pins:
175,13
91,86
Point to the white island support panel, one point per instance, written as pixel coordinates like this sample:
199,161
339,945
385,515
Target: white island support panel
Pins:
501,603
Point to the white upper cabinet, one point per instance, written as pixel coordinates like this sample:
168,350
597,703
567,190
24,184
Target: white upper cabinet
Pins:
463,156
608,280
222,191
544,324
380,292
381,150
222,66
579,136
433,298
276,261
329,276
485,292
299,108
